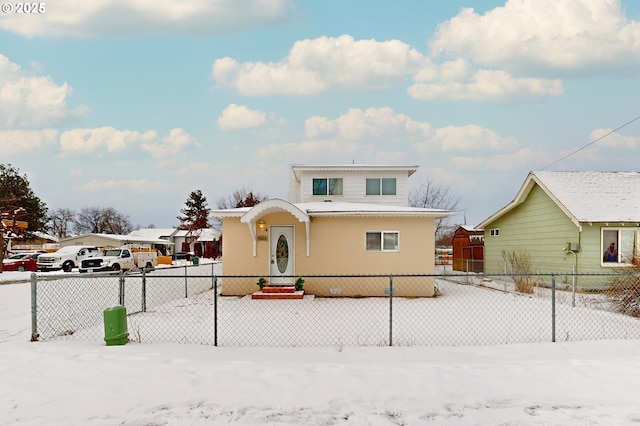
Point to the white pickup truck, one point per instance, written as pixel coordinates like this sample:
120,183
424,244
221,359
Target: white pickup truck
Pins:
65,258
122,258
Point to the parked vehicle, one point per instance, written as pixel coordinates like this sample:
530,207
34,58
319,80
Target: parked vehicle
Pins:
65,258
183,255
26,261
122,258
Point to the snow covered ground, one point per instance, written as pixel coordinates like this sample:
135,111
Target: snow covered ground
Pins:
81,382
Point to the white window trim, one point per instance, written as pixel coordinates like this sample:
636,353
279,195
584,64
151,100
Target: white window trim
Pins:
494,232
618,229
380,194
382,249
327,194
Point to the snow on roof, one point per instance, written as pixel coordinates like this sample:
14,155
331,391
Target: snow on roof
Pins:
471,228
584,196
321,208
296,168
595,196
347,209
209,234
153,233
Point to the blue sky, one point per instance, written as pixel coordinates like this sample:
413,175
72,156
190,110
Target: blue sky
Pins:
134,104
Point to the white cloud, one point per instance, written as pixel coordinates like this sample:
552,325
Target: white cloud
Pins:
543,34
26,142
466,138
84,141
178,140
342,63
31,101
372,123
73,18
519,160
614,140
238,117
485,85
108,140
143,186
321,64
329,152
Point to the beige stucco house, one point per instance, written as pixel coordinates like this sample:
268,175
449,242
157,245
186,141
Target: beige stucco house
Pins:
341,220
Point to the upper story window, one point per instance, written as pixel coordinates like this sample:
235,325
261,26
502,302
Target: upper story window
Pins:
327,186
495,232
618,246
381,186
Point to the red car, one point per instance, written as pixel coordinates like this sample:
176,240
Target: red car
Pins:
21,262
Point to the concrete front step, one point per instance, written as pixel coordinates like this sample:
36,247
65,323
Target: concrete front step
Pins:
261,295
278,289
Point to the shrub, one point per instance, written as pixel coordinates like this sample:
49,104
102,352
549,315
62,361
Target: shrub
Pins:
624,290
261,283
521,268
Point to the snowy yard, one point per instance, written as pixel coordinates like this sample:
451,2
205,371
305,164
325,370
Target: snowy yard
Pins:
74,382
462,315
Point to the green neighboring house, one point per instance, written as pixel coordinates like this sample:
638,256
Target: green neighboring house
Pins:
567,220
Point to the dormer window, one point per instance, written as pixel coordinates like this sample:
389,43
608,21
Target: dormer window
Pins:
327,186
381,186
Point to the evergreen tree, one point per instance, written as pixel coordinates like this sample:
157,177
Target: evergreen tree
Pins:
195,214
17,201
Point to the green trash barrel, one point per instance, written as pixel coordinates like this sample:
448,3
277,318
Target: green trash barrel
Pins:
115,326
196,260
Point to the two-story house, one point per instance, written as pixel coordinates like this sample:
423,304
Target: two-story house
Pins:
340,221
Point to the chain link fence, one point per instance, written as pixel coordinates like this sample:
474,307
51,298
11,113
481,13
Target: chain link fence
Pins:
189,305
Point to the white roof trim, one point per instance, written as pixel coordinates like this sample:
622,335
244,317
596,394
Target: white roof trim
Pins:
297,168
271,206
522,194
303,211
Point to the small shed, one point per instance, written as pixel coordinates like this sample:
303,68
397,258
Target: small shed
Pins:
468,249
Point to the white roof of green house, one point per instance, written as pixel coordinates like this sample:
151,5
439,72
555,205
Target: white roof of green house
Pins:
585,197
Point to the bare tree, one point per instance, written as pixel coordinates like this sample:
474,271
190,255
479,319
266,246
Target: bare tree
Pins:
430,194
102,220
240,198
61,222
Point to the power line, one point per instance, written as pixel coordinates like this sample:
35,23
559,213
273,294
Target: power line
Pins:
592,142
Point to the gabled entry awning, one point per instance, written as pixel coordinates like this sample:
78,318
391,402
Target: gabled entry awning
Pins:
275,205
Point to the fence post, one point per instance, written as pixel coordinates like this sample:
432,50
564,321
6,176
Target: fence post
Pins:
467,267
144,290
213,279
390,309
121,288
573,288
34,308
186,286
553,307
215,311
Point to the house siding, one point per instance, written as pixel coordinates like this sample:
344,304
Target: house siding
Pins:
539,226
337,247
354,187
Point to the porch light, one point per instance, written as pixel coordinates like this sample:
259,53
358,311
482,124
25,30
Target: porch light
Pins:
262,230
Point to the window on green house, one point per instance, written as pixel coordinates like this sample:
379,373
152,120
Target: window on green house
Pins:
618,246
